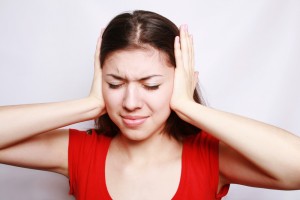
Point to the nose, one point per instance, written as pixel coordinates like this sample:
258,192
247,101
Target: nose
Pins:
132,99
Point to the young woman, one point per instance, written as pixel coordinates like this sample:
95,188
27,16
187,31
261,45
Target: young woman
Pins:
154,139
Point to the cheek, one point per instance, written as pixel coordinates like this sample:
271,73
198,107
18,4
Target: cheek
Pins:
161,100
111,99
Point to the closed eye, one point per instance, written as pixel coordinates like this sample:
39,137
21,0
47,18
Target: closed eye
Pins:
151,87
114,86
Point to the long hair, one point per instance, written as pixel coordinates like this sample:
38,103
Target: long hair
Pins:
135,30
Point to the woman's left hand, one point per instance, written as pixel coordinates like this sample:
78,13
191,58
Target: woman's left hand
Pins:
185,78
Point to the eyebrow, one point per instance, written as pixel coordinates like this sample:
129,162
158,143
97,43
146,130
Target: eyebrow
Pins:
141,79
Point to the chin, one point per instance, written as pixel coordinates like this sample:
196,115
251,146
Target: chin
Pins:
136,135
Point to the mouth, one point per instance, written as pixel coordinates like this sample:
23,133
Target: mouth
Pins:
132,121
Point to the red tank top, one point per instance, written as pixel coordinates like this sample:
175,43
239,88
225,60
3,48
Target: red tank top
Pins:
199,175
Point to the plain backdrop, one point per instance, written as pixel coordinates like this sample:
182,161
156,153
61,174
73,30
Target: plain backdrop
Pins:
247,55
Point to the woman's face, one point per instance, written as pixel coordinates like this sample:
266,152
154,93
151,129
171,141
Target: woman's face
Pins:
137,88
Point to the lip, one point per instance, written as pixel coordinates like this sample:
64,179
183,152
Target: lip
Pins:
132,121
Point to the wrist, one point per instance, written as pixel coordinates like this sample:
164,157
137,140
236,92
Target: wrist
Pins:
95,107
180,104
182,107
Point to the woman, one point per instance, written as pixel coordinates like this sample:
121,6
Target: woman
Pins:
153,138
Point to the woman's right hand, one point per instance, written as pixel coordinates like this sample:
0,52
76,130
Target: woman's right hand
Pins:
21,141
96,89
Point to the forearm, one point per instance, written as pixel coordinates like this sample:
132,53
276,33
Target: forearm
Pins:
274,150
22,121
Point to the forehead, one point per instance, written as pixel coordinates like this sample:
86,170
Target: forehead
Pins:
135,62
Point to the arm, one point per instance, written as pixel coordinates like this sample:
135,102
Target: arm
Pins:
47,151
273,152
23,121
270,153
21,141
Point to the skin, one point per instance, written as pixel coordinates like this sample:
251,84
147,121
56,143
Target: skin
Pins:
137,100
245,143
247,154
137,96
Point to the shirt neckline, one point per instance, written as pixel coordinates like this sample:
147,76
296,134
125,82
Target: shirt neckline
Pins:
181,181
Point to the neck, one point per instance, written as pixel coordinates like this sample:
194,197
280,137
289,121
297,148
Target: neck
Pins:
154,149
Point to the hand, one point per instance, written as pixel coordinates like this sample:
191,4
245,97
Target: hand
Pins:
96,89
185,78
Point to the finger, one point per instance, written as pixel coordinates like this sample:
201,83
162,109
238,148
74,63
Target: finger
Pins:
184,45
177,51
98,46
196,79
192,55
101,32
189,50
97,51
189,66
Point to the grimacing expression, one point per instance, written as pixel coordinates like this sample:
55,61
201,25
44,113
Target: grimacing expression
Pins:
137,88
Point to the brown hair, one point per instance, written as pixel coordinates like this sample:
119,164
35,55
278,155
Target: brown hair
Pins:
136,30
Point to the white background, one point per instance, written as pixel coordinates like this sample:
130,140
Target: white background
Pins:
247,53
